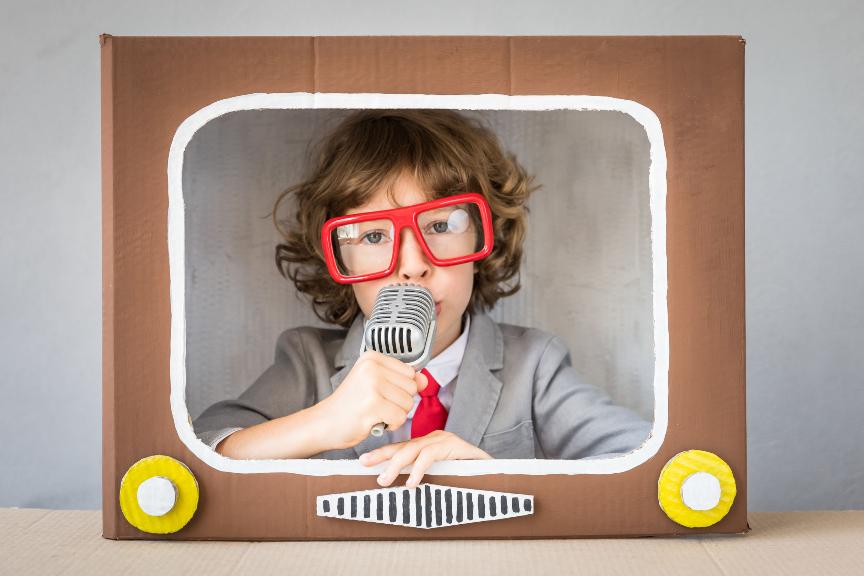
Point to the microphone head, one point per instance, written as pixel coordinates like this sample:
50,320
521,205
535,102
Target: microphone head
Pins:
402,324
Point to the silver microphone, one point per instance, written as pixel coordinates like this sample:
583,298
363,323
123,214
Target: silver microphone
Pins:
402,325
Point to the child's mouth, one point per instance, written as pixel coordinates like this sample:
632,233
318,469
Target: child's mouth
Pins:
437,308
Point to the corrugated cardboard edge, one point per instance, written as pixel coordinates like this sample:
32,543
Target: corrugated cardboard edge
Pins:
110,480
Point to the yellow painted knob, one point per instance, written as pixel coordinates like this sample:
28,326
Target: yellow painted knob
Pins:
158,495
696,488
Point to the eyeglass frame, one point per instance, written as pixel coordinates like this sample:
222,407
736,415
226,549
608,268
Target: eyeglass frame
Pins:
406,217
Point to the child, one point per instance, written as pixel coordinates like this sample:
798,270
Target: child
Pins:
490,390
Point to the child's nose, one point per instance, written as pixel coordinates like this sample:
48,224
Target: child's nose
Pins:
412,260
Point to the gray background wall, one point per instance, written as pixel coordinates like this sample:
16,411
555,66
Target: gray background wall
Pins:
804,238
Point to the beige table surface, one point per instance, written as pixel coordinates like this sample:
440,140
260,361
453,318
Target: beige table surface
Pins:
34,541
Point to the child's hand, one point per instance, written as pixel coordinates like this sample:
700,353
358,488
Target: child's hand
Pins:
422,452
379,388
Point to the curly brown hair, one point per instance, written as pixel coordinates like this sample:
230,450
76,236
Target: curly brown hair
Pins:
446,152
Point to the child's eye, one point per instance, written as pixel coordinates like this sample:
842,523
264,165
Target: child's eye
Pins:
456,223
373,237
439,227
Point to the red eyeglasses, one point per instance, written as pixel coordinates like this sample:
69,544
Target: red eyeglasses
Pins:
451,230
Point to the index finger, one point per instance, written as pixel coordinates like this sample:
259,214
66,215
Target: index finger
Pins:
406,384
393,363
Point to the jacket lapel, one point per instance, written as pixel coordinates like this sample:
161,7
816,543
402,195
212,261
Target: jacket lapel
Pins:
477,388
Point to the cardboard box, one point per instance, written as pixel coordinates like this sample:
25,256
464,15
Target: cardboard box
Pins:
689,94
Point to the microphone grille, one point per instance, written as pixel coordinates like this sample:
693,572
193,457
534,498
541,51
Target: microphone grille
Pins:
402,323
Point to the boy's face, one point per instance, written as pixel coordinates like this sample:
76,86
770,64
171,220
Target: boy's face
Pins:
450,286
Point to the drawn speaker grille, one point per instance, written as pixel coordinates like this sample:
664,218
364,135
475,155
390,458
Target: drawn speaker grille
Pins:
426,506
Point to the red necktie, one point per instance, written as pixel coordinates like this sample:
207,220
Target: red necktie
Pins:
430,414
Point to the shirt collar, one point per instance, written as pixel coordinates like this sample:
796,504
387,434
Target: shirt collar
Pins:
445,366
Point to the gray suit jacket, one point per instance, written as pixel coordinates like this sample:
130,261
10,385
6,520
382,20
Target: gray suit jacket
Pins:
517,395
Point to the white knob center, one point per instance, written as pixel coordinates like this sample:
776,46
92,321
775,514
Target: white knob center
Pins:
157,496
701,491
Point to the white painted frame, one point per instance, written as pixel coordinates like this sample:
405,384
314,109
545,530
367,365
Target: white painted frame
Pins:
304,100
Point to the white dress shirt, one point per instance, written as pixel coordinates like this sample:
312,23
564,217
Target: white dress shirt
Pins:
444,368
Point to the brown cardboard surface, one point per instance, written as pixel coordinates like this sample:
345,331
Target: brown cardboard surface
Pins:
694,85
787,543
